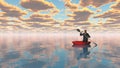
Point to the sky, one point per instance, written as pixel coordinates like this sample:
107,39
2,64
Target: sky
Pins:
59,15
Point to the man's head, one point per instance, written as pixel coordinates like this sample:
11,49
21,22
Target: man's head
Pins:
85,31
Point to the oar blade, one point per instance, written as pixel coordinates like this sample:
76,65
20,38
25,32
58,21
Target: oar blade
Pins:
78,30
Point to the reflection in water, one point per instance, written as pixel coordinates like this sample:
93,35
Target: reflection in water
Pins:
80,53
53,51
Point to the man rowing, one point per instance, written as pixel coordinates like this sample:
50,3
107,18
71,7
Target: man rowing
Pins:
86,36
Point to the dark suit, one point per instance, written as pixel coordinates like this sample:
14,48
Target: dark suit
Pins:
85,36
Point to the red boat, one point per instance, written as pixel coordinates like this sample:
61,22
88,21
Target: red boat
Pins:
80,44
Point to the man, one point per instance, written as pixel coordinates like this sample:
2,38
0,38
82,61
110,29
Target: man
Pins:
85,39
85,36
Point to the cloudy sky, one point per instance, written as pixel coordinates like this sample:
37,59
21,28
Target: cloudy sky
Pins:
59,15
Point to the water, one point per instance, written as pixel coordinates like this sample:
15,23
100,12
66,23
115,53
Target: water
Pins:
56,51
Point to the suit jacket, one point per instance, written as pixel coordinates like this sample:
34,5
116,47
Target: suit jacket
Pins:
85,36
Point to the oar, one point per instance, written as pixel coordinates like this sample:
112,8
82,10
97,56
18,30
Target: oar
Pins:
78,30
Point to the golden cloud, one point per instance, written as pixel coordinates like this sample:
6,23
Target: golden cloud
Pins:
114,14
116,6
36,5
38,18
38,22
8,19
111,26
112,18
96,3
66,24
85,2
12,27
80,15
54,11
70,5
81,23
72,26
115,22
38,25
10,10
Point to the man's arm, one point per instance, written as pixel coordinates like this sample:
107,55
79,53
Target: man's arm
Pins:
88,35
81,33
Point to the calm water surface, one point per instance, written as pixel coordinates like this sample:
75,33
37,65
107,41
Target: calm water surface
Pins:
56,51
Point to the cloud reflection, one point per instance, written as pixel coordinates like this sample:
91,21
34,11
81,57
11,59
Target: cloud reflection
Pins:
28,51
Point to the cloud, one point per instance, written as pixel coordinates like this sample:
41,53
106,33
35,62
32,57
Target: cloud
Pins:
40,21
38,18
28,24
36,5
116,6
41,15
66,24
70,5
8,19
11,17
54,11
112,19
6,24
114,14
96,3
10,10
37,25
4,27
82,23
76,24
112,25
85,2
79,15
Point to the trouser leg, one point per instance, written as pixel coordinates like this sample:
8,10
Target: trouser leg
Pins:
85,50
